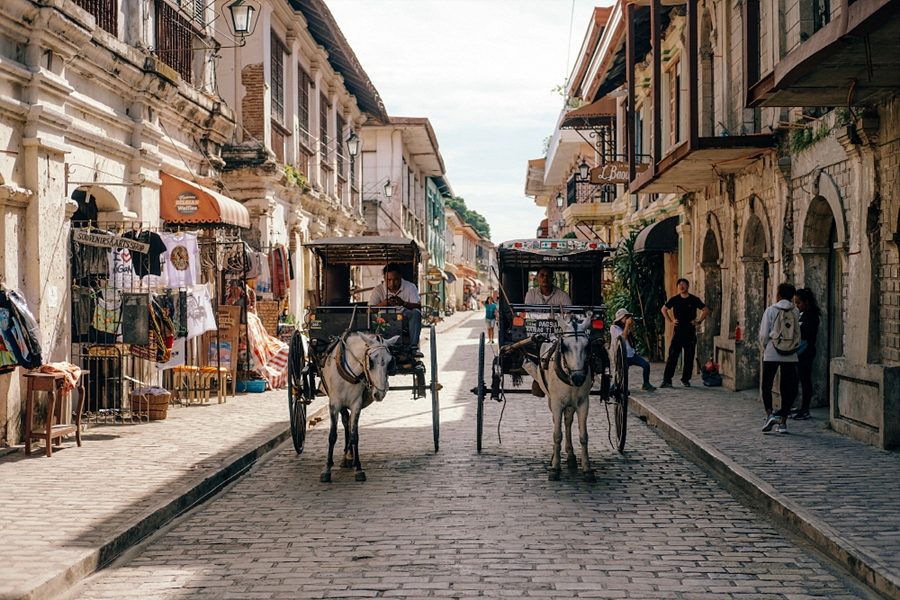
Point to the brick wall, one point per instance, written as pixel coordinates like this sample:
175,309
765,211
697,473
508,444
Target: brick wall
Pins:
253,104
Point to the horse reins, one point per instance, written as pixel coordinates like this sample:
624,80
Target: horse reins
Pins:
365,378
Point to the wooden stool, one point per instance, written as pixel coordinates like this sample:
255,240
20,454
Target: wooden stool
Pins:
185,383
220,374
52,384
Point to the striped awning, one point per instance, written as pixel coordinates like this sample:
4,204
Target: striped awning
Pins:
183,202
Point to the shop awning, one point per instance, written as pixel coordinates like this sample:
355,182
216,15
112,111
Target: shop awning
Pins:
658,237
597,114
183,202
451,278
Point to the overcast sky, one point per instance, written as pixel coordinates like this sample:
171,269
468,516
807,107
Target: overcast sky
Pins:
482,71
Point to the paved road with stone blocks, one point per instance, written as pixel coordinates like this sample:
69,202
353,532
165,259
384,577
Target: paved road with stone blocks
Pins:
458,524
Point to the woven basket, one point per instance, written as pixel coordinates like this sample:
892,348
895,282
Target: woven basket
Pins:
155,405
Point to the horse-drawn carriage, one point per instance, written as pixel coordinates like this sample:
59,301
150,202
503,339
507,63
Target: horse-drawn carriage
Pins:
563,347
349,338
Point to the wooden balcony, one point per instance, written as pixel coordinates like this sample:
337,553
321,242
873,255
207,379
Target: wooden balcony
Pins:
851,60
691,167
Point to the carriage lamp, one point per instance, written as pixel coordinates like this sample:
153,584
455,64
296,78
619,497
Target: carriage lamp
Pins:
559,200
436,222
242,18
353,144
584,170
539,232
388,190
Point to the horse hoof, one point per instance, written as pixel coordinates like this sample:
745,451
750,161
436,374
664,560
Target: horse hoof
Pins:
346,463
572,462
553,475
361,476
590,477
325,477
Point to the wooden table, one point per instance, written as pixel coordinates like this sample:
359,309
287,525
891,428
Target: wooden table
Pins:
56,425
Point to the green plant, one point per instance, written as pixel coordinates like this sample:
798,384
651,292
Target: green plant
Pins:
570,235
294,177
638,287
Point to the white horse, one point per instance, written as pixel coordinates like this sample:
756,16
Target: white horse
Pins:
564,373
354,374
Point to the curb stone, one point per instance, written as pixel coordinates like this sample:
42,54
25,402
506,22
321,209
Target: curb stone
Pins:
761,495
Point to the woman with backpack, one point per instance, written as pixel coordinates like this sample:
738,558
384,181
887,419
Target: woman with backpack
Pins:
809,332
779,335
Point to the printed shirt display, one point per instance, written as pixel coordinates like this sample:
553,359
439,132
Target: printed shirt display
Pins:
182,258
121,269
200,316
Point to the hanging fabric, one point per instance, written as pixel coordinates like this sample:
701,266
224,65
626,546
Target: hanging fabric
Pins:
19,329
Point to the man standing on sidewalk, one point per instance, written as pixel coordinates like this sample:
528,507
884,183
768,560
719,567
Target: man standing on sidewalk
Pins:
779,334
681,310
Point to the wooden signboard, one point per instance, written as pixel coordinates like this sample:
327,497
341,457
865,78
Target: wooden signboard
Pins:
228,319
615,172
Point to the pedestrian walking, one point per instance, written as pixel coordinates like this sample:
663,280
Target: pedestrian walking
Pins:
623,328
490,317
810,317
681,310
779,335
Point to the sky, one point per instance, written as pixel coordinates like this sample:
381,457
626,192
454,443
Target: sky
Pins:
483,72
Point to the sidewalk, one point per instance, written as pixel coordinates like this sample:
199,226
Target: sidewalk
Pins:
65,516
841,494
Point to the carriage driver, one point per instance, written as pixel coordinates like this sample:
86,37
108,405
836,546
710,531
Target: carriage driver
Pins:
396,291
545,293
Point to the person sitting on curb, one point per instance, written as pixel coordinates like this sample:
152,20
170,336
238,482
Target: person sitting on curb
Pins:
622,329
396,291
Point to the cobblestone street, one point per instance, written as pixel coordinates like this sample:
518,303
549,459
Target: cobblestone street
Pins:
458,524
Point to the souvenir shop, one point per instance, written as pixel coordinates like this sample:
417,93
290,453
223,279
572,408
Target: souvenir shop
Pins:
183,312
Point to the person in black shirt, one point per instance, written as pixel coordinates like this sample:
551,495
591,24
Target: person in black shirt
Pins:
809,332
681,310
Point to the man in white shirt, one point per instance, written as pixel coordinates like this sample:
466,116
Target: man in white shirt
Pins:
546,293
396,291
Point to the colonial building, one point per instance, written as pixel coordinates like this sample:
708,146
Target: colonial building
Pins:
761,144
98,100
299,94
405,186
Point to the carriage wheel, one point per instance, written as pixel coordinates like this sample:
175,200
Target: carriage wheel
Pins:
296,391
621,396
435,404
479,428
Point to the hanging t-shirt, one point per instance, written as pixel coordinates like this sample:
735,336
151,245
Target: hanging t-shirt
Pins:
200,316
264,279
149,263
182,258
121,269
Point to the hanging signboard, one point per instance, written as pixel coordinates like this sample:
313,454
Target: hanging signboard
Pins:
108,240
615,172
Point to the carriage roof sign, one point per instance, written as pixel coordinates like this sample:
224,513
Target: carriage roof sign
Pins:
563,246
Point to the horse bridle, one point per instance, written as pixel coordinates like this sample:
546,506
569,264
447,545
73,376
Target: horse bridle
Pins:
365,378
563,370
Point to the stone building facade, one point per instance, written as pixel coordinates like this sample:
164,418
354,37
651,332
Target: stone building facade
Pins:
299,93
756,158
97,100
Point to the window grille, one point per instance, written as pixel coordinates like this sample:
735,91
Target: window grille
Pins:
324,107
278,52
339,145
303,85
174,39
104,11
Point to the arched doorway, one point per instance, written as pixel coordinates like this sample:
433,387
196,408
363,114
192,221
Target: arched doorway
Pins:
712,296
756,295
823,274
